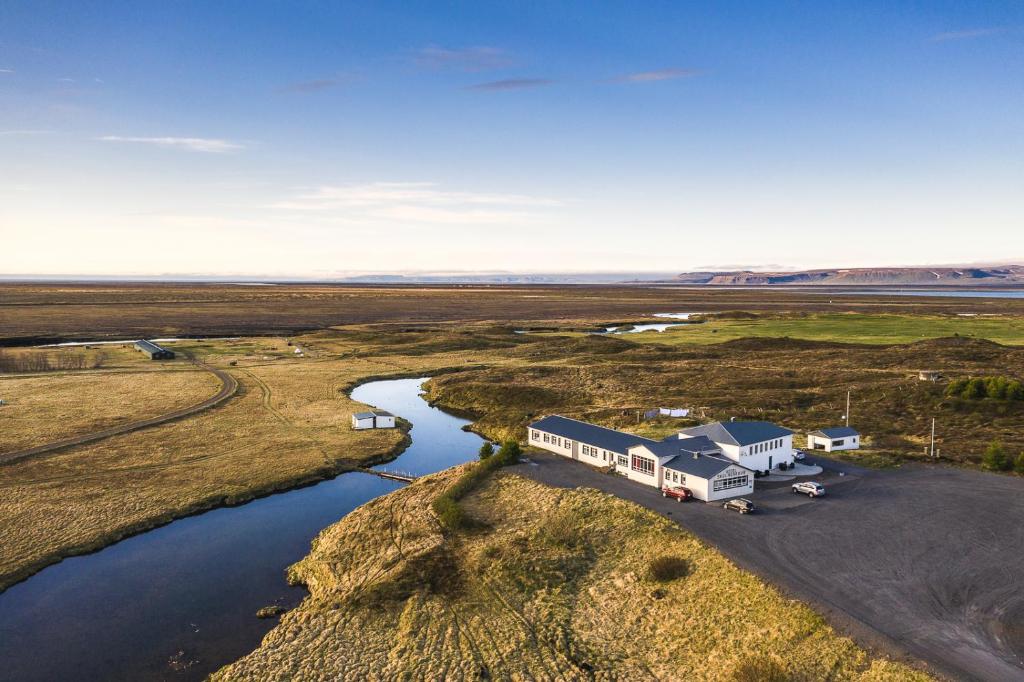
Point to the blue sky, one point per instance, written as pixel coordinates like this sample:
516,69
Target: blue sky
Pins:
319,139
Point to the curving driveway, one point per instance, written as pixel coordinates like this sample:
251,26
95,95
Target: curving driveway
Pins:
920,561
228,388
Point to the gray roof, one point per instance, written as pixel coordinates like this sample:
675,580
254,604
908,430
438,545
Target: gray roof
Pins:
363,415
702,466
837,432
149,345
738,433
690,456
591,434
382,413
671,447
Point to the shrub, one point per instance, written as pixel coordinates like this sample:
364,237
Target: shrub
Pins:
995,457
760,669
486,450
666,568
1018,466
509,452
446,505
978,388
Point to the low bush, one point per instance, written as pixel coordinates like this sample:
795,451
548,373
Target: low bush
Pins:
760,669
980,388
995,458
1018,465
446,505
667,568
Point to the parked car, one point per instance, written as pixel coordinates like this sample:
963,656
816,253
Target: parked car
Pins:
678,492
799,455
740,504
809,488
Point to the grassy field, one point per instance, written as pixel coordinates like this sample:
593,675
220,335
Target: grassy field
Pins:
800,384
843,328
55,406
289,424
35,311
557,584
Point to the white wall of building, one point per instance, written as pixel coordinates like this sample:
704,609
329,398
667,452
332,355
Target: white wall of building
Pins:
725,484
760,456
366,423
584,452
830,444
384,422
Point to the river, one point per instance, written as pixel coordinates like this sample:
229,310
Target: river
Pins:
178,602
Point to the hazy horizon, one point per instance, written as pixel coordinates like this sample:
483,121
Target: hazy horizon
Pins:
263,140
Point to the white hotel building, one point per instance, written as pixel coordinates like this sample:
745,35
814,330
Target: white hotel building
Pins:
715,461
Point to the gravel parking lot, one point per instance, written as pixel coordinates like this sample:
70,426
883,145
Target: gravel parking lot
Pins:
926,562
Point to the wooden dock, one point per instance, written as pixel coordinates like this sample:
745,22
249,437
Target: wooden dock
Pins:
403,476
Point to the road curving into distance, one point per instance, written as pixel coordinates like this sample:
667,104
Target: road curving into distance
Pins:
228,388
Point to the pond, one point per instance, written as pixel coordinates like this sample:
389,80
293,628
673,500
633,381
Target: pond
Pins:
179,602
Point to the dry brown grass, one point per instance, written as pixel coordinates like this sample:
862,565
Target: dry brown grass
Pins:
32,310
509,603
51,407
289,424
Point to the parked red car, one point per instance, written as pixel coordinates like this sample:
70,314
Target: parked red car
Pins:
680,493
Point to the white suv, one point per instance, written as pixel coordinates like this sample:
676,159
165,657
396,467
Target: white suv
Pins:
809,488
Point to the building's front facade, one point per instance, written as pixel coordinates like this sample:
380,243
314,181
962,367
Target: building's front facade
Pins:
694,463
837,438
755,445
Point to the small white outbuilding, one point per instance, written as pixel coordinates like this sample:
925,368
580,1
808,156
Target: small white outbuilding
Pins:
363,420
383,420
836,438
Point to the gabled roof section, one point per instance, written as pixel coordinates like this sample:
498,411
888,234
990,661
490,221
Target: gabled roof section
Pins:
591,434
837,432
363,415
381,413
681,446
702,466
738,433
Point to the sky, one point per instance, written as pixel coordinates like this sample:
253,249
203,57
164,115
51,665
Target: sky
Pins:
320,139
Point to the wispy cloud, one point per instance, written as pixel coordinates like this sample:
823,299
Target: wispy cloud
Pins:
656,75
967,34
6,70
480,58
195,144
417,202
26,131
511,84
311,86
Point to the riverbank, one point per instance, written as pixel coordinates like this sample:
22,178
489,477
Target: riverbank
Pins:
206,574
287,427
549,584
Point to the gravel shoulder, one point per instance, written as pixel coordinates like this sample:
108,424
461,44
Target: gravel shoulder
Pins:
925,562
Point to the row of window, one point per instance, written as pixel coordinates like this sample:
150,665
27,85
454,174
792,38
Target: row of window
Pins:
732,482
643,465
675,476
554,440
765,446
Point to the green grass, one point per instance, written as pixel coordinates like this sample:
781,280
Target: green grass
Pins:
846,328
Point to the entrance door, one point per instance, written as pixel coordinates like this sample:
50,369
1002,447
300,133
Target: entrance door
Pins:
770,462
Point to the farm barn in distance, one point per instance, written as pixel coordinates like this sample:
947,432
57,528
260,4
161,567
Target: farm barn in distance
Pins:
154,351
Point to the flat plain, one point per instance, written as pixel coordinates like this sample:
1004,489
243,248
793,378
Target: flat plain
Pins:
788,357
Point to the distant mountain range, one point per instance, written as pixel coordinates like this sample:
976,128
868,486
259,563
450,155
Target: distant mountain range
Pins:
1006,275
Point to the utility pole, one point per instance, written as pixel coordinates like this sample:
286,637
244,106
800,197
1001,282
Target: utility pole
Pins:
847,408
933,439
